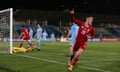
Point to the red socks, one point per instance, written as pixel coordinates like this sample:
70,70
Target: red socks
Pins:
74,61
21,44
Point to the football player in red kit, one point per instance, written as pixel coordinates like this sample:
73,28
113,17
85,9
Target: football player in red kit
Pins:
85,31
24,36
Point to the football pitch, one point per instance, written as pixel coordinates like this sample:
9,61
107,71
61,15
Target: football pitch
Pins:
98,57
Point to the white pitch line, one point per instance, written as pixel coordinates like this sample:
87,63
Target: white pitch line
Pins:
52,61
36,58
95,60
94,69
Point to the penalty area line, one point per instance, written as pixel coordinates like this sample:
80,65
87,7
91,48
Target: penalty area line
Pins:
52,61
93,68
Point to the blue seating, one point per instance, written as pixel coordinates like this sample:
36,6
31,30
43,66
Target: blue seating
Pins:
115,31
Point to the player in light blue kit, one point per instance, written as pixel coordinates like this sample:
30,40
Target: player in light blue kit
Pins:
73,32
52,37
44,37
30,34
38,35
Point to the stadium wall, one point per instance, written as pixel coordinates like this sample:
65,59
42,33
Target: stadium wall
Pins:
110,39
67,40
95,40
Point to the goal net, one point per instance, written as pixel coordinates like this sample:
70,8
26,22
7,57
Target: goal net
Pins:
6,31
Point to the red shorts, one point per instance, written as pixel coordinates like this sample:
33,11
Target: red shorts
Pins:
78,46
26,38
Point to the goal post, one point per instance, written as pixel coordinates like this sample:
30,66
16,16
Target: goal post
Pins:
11,29
6,31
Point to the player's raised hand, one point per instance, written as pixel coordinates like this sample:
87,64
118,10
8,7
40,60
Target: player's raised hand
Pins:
72,11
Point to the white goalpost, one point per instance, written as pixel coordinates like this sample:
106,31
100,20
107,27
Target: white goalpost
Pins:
6,29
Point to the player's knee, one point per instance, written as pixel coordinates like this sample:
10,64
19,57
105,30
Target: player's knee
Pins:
78,53
81,50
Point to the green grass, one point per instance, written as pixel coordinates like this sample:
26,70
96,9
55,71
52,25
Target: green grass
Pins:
98,57
4,46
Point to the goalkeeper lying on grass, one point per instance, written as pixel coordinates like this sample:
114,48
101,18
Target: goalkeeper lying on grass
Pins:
22,50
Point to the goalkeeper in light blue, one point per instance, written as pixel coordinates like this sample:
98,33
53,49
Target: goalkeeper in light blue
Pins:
38,35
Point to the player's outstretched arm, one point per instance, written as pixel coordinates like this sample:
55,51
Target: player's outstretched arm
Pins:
76,21
72,12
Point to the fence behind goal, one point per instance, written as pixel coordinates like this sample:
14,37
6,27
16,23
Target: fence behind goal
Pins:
6,31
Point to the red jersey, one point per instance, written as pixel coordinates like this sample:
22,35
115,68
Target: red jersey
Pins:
25,34
83,33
